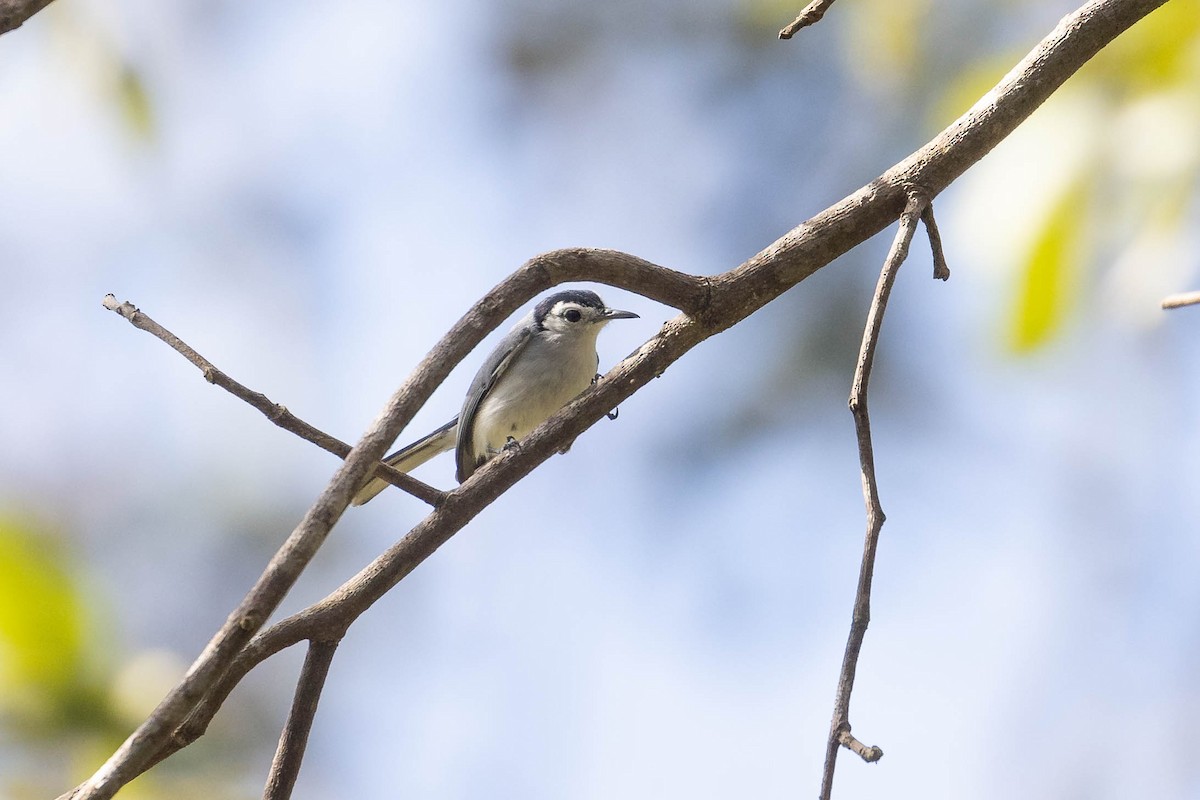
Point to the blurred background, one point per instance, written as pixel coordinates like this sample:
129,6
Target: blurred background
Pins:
310,195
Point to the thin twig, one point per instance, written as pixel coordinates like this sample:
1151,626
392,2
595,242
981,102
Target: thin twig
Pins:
711,305
285,767
273,411
811,15
839,730
1180,300
847,740
941,270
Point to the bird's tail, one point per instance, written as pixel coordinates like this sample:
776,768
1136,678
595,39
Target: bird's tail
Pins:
411,457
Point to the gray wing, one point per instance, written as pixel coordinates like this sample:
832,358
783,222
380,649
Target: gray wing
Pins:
411,457
494,367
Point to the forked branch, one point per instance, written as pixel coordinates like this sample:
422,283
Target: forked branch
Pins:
839,729
709,306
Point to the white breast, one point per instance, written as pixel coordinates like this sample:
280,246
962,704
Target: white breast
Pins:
548,374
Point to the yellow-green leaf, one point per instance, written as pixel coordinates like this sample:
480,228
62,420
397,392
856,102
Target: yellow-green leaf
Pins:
1159,52
41,614
1049,274
136,108
884,37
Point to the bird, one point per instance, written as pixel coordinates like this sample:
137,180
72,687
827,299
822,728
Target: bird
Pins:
544,362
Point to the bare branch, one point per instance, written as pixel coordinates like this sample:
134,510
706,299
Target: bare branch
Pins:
839,729
811,15
618,269
868,754
285,768
1181,300
272,411
13,13
941,270
711,305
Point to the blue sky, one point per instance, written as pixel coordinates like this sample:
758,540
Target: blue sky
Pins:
662,611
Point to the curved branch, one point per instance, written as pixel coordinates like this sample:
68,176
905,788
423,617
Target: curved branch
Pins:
619,269
710,306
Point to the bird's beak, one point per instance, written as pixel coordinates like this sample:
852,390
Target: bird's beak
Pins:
612,313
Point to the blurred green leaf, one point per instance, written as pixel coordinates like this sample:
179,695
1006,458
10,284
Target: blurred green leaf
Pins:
52,676
134,100
1049,274
64,706
104,66
41,613
1161,51
1149,82
884,38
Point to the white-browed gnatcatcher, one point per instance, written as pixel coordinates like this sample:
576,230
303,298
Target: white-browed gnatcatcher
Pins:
543,363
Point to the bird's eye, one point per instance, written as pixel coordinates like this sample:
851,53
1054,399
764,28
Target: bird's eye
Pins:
573,315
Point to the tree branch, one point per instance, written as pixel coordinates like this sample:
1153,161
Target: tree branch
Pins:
941,270
839,729
710,305
13,13
811,15
272,411
847,740
285,567
1181,300
285,767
